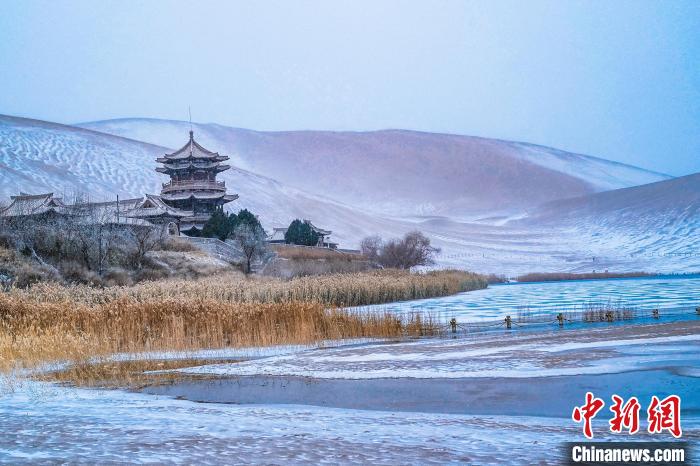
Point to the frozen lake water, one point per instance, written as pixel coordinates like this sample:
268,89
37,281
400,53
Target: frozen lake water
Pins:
497,301
482,399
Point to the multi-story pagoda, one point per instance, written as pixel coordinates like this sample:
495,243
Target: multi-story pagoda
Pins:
193,186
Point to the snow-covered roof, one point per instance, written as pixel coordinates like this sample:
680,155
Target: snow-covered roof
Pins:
153,206
33,204
277,234
318,230
192,149
135,211
113,212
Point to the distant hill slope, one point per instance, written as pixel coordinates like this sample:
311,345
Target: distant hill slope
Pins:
402,172
38,156
628,229
656,222
678,195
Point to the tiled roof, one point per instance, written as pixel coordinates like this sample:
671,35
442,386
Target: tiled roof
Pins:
32,204
134,211
194,150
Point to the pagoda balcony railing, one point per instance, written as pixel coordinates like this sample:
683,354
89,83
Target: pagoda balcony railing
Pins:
194,185
196,218
193,165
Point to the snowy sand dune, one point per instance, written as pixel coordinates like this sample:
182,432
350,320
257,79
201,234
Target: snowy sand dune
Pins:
399,172
656,233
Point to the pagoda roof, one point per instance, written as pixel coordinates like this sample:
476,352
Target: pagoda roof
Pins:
192,149
168,167
187,226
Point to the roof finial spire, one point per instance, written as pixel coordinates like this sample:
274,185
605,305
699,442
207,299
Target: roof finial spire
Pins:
189,110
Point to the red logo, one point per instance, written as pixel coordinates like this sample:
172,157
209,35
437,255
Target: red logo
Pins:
665,415
587,412
661,415
625,416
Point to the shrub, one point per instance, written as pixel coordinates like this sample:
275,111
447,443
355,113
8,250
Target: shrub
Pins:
178,245
117,276
412,250
76,272
21,272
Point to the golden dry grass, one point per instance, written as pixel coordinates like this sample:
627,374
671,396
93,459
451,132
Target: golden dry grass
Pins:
356,289
287,251
32,333
131,374
49,322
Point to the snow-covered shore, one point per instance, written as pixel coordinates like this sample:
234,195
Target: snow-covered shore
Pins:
45,424
519,420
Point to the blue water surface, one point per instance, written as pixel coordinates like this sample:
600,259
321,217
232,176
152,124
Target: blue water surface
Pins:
548,298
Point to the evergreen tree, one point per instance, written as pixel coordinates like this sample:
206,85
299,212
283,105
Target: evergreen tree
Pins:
301,233
218,226
247,217
222,226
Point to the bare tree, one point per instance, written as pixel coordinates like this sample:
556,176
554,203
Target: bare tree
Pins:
412,250
94,232
251,238
80,232
371,247
145,238
27,231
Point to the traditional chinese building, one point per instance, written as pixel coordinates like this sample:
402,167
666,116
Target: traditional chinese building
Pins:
193,186
324,241
144,211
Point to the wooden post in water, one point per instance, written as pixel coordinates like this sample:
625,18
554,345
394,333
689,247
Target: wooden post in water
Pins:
453,324
507,321
560,318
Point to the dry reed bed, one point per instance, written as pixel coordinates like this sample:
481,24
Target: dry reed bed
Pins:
78,323
356,289
32,333
287,251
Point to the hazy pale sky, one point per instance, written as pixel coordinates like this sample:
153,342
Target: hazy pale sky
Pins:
617,79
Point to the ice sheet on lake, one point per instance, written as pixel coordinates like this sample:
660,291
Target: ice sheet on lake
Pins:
50,424
496,355
497,301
